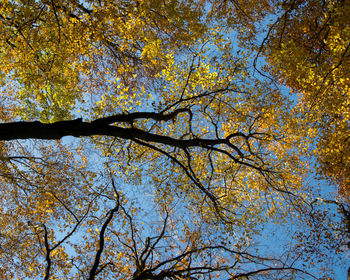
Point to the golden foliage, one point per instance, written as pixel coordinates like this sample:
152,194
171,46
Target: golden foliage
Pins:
188,155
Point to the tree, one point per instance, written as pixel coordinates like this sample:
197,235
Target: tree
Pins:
181,158
307,49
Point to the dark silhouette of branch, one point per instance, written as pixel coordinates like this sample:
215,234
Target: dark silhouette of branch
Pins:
94,269
102,127
47,255
266,270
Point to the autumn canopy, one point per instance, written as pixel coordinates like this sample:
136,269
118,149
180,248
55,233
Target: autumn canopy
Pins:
174,139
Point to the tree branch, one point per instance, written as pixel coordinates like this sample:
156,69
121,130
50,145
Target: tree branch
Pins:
102,127
94,269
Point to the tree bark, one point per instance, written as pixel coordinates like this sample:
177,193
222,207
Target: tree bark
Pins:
79,128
